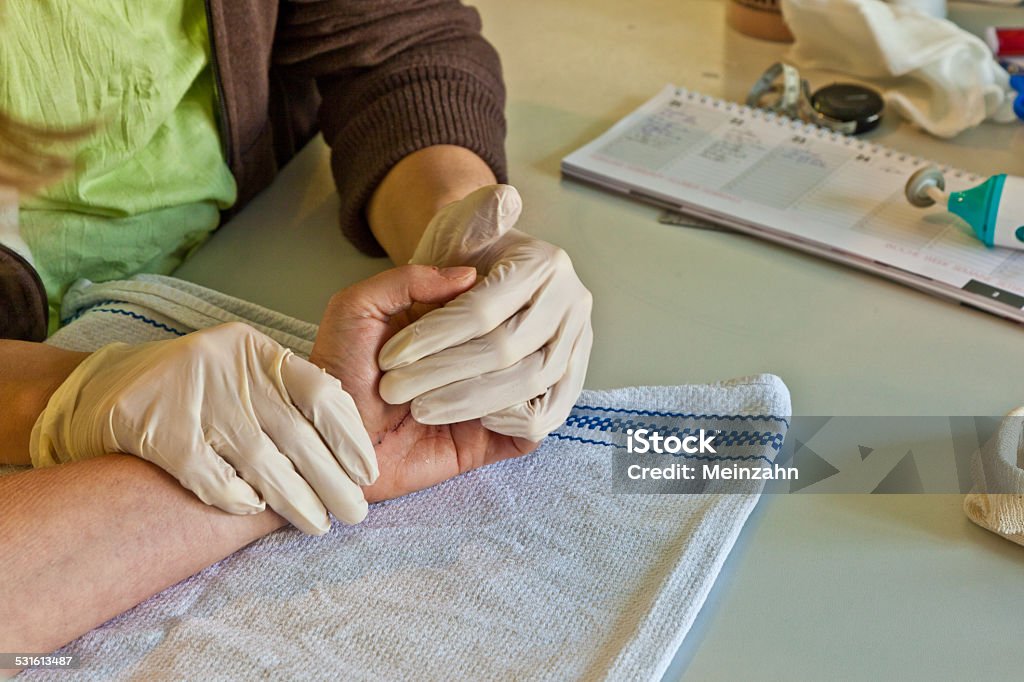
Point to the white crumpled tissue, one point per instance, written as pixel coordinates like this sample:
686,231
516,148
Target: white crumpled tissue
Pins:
932,72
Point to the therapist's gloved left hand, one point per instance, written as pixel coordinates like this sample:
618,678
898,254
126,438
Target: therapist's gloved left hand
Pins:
513,350
235,417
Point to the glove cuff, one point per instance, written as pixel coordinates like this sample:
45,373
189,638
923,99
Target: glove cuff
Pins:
55,428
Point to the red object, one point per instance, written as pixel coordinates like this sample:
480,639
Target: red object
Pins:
1005,42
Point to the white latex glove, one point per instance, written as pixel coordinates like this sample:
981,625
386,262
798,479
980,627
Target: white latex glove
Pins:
227,411
513,350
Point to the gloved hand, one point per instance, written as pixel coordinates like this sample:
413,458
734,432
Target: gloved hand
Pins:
227,411
513,350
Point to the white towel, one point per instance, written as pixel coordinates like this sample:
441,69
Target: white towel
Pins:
935,74
527,569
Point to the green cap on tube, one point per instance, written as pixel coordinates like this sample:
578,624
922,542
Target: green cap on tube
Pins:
979,206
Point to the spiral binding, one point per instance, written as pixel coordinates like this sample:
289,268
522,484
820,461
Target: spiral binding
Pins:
821,132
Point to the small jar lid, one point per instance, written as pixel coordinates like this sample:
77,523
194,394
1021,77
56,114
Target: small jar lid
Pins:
848,103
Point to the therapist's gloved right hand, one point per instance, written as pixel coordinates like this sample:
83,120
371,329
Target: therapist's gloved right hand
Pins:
513,350
234,416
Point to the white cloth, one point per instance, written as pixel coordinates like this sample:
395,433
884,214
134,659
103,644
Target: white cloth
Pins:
933,8
934,73
527,569
996,501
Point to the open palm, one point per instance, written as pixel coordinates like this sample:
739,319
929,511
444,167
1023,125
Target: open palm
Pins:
357,322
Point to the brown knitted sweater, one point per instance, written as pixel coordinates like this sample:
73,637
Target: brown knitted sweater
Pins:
379,78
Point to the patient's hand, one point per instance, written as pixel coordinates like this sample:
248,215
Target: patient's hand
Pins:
358,321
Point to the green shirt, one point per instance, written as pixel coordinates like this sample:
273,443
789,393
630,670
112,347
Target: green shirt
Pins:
150,183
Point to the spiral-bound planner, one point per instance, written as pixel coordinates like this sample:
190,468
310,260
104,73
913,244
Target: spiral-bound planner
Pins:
802,186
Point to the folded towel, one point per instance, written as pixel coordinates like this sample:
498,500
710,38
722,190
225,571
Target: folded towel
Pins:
532,568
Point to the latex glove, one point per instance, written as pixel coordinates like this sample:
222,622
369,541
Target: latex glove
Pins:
235,417
513,350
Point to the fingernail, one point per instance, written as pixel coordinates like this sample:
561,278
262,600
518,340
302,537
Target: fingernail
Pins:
457,272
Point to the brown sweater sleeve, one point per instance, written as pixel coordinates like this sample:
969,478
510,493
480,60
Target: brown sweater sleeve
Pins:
23,307
394,76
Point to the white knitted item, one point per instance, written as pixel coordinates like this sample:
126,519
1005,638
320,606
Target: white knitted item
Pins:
527,569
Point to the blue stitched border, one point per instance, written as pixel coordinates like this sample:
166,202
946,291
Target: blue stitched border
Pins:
141,318
734,438
706,458
685,415
83,311
95,308
772,439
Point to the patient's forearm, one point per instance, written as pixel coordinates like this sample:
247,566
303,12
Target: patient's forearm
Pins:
83,542
416,188
29,374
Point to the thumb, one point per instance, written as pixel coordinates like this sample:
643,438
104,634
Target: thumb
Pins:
395,290
463,229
